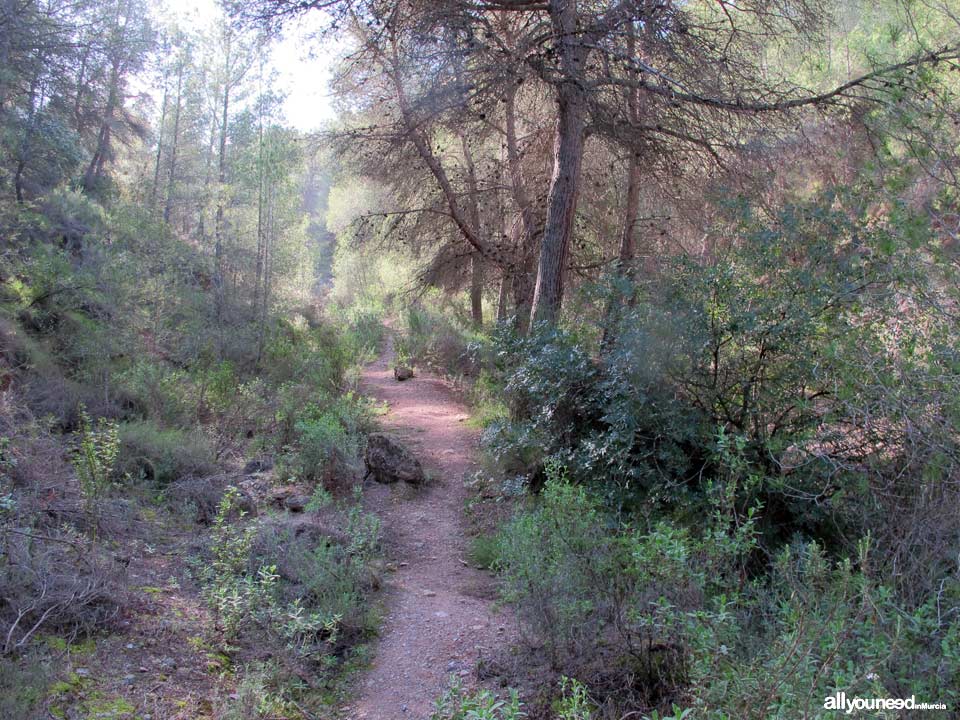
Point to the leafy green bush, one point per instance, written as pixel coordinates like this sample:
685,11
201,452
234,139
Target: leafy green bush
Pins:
94,459
809,355
456,704
362,333
486,396
778,649
484,551
162,455
302,590
261,694
320,438
669,615
231,591
595,595
331,573
156,391
297,353
551,394
574,702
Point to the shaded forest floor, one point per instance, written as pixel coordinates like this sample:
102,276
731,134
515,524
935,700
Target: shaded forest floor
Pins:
162,660
165,657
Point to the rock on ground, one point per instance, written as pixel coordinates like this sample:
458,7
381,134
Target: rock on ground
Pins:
389,460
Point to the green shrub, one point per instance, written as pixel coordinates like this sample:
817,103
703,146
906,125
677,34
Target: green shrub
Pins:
362,335
321,438
162,455
300,591
94,459
484,551
261,694
297,353
670,615
592,593
486,399
229,588
817,628
574,702
332,575
219,384
456,704
233,410
156,391
811,346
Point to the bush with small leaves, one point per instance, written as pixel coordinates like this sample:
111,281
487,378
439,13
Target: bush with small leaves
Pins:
574,701
162,455
294,587
670,615
94,459
458,704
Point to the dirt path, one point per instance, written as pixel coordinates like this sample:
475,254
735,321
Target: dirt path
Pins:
440,620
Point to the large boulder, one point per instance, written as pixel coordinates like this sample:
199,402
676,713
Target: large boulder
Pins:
388,461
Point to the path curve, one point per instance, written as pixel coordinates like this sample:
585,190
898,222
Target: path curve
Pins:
440,618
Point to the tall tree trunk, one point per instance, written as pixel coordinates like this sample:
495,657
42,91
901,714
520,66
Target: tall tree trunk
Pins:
221,199
6,38
476,290
522,286
269,229
207,180
561,205
567,161
523,273
625,255
159,155
18,181
473,208
258,273
78,122
502,309
171,179
23,153
95,169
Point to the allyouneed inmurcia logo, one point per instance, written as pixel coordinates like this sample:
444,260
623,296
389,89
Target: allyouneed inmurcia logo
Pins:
840,701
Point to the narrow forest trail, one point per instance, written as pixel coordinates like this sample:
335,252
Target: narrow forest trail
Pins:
439,618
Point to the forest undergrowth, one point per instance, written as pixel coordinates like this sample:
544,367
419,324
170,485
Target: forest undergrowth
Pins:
694,266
